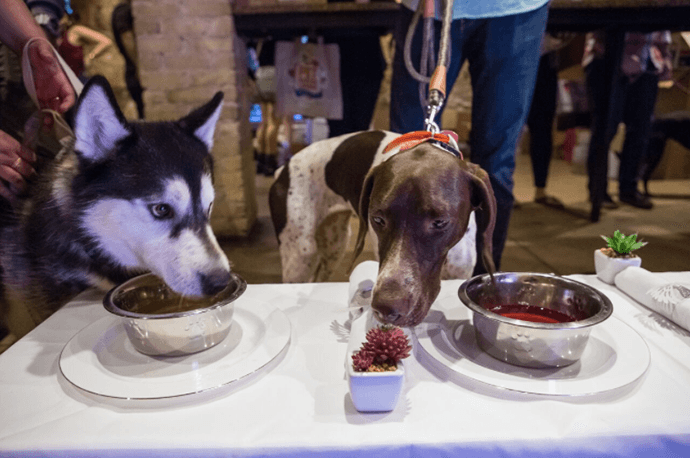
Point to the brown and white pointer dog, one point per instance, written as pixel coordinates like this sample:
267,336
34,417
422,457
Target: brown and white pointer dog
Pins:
419,202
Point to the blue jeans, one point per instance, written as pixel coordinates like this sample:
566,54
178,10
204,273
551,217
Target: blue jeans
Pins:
503,55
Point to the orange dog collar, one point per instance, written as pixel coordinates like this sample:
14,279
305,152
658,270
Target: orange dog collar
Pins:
445,140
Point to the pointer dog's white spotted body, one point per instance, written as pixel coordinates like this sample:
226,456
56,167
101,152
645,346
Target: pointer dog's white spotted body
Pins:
418,205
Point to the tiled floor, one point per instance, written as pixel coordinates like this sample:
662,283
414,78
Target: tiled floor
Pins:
540,239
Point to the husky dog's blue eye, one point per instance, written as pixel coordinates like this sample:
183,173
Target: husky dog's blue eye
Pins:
161,211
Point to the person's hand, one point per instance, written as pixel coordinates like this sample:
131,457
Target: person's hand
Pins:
15,167
53,89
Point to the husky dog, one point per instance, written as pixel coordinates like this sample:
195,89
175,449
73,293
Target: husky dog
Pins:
123,198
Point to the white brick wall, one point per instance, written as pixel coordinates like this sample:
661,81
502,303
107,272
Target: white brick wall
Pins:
188,51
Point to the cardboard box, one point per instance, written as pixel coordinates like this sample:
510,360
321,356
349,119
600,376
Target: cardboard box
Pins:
675,163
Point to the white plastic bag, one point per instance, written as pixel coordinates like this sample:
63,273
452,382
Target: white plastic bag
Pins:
308,79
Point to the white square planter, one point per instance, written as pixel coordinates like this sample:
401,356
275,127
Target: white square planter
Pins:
607,267
375,391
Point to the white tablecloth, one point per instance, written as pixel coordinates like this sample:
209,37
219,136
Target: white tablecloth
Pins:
299,406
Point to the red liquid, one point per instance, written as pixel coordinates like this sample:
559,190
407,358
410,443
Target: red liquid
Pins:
531,313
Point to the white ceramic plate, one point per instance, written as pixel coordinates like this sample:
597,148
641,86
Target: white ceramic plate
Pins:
100,359
615,356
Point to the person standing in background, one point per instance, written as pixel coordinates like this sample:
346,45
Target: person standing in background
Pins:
79,45
645,60
542,114
122,24
501,40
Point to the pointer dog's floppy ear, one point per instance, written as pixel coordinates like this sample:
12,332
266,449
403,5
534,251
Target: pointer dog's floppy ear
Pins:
202,122
364,213
484,203
98,122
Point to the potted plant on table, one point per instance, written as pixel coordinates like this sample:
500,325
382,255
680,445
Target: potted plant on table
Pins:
376,373
618,255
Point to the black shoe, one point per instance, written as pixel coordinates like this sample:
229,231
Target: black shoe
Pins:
260,164
636,199
270,165
550,201
608,203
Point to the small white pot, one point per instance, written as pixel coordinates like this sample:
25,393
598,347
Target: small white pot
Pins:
607,267
375,391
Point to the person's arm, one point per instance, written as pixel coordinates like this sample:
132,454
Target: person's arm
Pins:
17,25
79,34
53,90
15,167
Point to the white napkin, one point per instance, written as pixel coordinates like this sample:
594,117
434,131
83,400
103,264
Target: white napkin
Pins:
362,280
672,300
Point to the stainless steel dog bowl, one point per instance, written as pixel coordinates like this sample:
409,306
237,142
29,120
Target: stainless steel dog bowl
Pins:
160,322
528,343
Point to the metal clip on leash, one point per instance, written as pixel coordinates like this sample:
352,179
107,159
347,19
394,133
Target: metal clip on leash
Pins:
434,104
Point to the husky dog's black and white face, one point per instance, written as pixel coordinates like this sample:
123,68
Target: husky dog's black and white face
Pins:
144,191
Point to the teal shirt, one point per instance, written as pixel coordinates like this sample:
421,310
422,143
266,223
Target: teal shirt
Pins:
475,9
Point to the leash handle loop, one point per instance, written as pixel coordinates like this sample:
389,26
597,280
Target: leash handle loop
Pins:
28,74
34,127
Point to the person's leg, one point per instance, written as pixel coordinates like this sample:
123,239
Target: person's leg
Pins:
361,71
540,120
600,131
639,107
504,57
406,112
270,139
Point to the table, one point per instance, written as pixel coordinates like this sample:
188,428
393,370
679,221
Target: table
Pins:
299,404
285,22
643,15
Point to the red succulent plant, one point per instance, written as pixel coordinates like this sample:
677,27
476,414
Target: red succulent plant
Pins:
385,346
361,360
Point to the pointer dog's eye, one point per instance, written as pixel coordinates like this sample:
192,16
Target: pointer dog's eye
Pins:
439,223
161,211
378,221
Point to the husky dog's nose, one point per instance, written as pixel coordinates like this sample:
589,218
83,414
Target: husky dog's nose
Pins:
214,281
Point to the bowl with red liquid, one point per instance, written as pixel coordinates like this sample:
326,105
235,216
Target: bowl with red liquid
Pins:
531,319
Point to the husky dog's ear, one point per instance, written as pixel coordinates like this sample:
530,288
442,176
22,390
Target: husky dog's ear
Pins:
98,122
202,122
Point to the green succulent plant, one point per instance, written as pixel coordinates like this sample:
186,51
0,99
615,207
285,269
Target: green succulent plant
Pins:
623,245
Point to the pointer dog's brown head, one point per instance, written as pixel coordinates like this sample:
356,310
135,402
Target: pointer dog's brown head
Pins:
418,204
